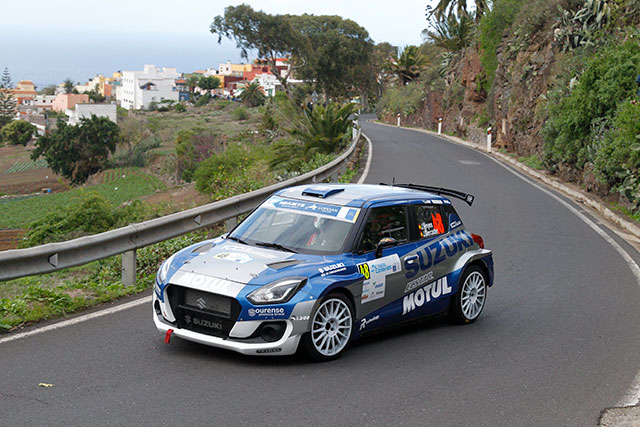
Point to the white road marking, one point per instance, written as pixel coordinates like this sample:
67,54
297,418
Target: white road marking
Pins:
632,396
79,319
469,162
369,156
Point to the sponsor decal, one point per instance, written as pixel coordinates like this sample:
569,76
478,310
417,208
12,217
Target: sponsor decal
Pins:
432,291
300,318
437,222
266,311
331,269
200,281
418,282
269,350
434,253
250,250
234,257
341,213
365,322
455,224
202,322
375,276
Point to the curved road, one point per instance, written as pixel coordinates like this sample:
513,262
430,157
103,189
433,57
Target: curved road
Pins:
557,343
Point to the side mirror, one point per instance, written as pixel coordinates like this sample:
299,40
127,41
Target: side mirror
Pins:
385,242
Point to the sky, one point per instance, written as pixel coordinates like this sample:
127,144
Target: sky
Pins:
47,41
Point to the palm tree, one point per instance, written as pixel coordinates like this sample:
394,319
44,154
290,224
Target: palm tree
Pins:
252,95
447,8
452,34
408,64
325,129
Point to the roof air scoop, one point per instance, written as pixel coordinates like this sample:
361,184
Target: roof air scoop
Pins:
321,192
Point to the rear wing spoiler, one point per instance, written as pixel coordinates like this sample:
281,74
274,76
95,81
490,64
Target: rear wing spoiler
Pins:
468,198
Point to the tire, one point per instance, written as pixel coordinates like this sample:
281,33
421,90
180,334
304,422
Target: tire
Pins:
331,328
467,304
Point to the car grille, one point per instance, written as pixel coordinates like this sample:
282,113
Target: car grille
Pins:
203,312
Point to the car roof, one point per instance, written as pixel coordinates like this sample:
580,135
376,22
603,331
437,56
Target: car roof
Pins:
357,195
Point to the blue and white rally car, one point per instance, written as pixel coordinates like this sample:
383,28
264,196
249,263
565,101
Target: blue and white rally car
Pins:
318,266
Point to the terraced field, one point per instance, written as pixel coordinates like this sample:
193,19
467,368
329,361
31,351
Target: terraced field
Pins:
119,186
28,165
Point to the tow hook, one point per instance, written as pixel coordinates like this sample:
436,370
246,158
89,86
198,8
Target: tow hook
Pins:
167,337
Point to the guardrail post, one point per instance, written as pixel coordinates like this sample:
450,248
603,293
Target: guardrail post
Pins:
129,268
398,119
230,223
440,126
489,139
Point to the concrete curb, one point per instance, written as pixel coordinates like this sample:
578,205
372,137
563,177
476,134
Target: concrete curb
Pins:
553,182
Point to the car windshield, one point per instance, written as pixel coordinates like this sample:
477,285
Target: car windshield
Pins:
297,226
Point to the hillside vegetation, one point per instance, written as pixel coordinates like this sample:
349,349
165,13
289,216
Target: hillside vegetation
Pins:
555,79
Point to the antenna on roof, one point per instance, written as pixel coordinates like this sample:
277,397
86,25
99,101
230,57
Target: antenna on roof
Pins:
393,181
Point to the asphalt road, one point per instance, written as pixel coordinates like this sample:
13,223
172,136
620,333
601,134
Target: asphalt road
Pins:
557,343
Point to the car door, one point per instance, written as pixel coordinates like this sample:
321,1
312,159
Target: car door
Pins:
383,278
428,268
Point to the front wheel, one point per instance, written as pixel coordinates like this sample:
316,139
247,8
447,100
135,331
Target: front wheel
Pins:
331,328
468,303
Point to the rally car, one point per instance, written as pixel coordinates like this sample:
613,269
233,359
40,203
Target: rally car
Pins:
318,266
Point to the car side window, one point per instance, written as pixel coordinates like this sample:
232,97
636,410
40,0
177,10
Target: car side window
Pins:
431,221
387,221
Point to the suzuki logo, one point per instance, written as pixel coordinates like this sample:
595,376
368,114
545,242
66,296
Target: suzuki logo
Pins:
187,319
201,303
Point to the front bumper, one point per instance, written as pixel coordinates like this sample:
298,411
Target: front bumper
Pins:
241,331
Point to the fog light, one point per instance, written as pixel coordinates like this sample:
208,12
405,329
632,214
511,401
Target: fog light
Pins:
272,332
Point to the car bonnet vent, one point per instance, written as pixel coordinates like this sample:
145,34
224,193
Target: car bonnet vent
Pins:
321,192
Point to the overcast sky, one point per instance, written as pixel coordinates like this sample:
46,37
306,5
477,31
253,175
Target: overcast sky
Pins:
49,40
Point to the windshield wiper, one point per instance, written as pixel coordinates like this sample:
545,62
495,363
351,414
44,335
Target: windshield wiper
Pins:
237,240
275,246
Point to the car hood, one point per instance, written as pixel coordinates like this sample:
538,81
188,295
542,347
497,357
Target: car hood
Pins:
236,262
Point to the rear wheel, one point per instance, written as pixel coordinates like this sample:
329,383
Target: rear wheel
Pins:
331,328
468,303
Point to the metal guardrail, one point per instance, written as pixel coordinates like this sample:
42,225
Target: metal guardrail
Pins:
47,258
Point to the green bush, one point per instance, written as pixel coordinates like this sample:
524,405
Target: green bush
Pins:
490,31
617,161
17,132
608,79
90,213
234,171
405,100
180,108
240,113
203,100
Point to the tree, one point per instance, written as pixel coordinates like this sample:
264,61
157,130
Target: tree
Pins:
208,83
18,132
327,129
49,90
76,152
272,36
252,95
95,96
407,65
193,83
7,100
335,54
446,8
68,86
452,34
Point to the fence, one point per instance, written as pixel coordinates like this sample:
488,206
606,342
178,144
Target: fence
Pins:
56,256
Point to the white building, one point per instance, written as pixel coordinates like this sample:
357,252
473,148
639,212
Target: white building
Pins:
39,104
87,110
140,88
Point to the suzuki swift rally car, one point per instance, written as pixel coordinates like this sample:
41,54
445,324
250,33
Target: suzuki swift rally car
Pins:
318,266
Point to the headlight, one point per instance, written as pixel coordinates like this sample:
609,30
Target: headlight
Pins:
164,269
277,292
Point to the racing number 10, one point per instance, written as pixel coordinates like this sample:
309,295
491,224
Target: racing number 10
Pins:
364,270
